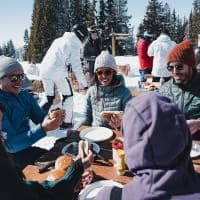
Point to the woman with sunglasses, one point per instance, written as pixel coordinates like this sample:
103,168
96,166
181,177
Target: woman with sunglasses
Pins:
183,88
21,107
108,94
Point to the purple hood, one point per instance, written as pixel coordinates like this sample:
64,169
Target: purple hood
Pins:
157,146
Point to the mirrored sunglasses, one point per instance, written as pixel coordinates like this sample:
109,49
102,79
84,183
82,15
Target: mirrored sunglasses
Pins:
178,67
104,72
15,78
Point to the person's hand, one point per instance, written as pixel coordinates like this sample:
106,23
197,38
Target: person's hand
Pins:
51,124
85,154
115,121
86,179
194,125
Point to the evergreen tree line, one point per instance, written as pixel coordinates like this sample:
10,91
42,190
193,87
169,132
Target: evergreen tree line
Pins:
51,18
159,17
8,49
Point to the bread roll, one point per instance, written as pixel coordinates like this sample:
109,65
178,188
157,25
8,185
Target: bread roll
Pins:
55,174
107,114
63,162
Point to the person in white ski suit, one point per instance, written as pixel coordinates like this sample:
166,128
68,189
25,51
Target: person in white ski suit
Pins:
64,51
160,48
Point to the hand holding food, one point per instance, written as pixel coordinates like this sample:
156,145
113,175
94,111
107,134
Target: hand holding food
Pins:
108,114
56,113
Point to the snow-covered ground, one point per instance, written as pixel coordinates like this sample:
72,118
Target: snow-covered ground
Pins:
131,80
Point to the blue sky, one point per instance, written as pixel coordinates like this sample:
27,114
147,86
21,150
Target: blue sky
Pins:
15,16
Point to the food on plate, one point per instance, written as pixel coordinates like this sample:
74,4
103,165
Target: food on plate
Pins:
107,114
56,113
63,162
55,174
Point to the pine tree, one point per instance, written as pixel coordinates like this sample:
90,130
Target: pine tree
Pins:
88,13
111,17
152,18
194,22
10,49
122,17
1,51
26,41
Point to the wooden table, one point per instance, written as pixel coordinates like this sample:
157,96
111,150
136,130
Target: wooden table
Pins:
101,171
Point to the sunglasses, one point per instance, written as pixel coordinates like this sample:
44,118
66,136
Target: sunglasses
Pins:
178,67
104,72
15,78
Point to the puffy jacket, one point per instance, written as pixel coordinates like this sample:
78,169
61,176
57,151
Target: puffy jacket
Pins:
187,98
18,111
111,98
160,49
63,51
146,62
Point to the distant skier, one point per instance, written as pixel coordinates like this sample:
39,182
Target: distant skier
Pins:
64,51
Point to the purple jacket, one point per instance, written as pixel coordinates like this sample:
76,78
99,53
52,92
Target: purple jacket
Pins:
157,146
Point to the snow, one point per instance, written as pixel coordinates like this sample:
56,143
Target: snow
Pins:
131,81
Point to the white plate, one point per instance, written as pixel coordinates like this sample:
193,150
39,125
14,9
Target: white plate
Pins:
96,134
92,190
195,151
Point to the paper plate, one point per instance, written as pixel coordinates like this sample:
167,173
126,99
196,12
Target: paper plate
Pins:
96,134
92,190
195,151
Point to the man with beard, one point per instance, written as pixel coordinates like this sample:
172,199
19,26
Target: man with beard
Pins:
183,88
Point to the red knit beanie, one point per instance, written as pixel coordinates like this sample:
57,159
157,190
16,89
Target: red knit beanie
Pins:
184,53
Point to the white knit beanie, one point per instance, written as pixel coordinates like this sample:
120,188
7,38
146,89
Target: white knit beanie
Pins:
105,59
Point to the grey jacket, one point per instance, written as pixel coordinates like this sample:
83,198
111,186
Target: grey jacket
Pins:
105,98
187,98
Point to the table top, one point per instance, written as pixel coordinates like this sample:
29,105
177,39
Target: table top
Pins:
99,167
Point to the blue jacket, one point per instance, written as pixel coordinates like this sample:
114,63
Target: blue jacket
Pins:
18,111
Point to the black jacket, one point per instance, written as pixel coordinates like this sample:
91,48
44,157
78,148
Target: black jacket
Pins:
91,49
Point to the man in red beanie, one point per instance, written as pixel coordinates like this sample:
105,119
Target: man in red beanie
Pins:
184,87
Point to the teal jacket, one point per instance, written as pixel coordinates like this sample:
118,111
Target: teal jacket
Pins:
104,98
187,98
18,111
12,186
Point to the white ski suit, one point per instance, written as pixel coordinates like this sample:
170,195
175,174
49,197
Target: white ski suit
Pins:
53,70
